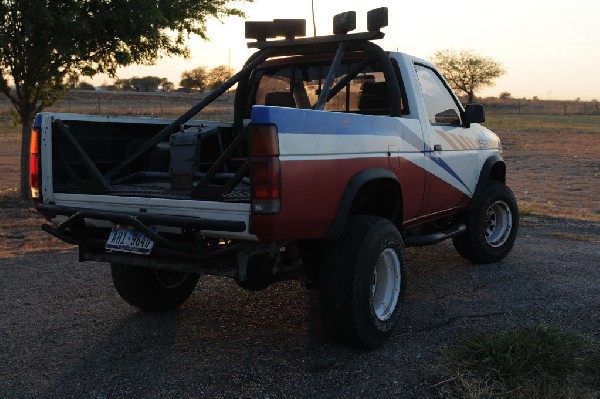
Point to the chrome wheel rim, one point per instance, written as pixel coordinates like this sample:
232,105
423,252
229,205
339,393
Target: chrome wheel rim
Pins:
497,224
385,288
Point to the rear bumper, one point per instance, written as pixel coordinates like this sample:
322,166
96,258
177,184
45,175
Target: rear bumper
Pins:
70,229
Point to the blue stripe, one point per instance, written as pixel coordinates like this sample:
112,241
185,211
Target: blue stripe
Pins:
441,163
307,121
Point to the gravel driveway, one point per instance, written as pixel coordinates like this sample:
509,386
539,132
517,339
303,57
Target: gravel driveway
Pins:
64,332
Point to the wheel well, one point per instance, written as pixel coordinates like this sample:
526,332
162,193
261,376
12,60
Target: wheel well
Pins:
498,173
380,197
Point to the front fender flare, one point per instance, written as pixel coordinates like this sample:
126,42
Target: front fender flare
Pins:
484,177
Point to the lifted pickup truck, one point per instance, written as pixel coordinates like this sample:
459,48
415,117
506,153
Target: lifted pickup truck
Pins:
339,155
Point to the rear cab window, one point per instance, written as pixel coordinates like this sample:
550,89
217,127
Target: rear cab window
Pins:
358,87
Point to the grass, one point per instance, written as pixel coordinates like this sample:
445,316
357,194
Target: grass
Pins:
576,237
530,362
544,209
544,123
8,129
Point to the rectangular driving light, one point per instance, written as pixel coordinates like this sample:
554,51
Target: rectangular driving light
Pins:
377,19
344,22
263,30
289,28
259,30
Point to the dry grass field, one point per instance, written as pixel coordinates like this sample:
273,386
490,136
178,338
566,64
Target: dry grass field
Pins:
553,162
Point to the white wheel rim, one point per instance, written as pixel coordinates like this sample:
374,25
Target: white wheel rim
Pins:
385,288
497,224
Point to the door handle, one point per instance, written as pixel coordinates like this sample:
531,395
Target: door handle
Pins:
437,147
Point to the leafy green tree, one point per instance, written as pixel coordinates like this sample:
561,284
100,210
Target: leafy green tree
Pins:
467,71
42,42
197,79
218,75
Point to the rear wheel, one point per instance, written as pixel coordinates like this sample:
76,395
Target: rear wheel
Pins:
258,274
491,226
152,289
362,282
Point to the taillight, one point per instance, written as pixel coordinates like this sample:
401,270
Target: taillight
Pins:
34,164
265,169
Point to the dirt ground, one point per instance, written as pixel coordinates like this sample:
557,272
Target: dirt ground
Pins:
552,171
64,332
555,173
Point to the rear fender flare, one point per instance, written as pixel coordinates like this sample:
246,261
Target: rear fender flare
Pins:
352,189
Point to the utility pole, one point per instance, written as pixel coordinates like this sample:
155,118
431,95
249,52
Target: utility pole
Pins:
313,18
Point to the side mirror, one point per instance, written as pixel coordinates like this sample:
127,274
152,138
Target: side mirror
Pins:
474,113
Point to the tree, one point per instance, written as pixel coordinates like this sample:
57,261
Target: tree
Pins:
85,86
42,42
467,71
124,85
504,95
165,85
218,75
197,78
143,84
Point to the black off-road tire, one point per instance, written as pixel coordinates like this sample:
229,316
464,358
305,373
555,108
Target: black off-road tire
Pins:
492,226
258,276
152,289
362,282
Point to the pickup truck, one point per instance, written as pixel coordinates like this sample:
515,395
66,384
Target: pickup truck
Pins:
339,156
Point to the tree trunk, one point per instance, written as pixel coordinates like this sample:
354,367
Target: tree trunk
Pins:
471,97
26,127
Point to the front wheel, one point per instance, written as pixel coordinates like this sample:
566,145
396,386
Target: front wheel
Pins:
491,226
152,289
361,283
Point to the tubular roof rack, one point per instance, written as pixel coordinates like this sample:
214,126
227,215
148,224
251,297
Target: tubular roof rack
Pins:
292,28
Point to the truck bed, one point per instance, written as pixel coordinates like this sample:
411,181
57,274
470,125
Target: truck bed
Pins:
241,193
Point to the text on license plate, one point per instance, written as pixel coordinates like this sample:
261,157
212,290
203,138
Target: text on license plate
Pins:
125,238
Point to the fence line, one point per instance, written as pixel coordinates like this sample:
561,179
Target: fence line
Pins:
533,107
171,105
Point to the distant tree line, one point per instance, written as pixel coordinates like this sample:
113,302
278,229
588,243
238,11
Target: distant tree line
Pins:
197,79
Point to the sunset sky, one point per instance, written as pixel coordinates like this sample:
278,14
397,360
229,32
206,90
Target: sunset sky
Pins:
550,49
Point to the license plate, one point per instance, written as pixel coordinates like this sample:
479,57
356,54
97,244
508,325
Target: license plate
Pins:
124,238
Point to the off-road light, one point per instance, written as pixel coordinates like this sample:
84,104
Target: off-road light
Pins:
290,28
344,23
263,30
259,30
377,19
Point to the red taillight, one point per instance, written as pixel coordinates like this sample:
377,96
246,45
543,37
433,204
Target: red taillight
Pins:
265,141
265,178
265,169
34,164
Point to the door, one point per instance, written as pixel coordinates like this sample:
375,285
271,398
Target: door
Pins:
451,156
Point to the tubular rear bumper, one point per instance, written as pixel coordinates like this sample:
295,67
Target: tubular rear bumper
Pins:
140,221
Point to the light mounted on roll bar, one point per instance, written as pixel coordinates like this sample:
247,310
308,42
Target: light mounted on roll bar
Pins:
344,22
291,29
377,19
263,30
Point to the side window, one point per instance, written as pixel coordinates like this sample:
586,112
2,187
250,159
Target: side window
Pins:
439,103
